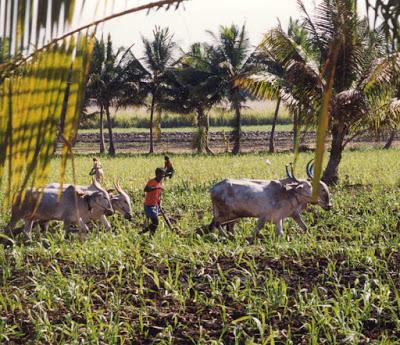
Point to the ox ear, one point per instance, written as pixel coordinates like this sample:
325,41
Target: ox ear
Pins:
79,193
300,186
289,186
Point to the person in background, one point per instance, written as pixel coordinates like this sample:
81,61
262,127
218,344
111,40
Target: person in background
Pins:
169,169
152,199
97,170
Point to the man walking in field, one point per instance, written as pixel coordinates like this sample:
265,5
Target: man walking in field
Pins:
152,199
97,170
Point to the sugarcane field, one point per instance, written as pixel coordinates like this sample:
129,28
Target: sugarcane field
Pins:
197,172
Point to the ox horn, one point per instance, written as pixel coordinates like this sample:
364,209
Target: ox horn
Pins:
309,169
94,181
292,173
117,186
287,171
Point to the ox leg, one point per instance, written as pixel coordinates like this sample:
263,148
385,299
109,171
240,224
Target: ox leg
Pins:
222,231
279,228
67,228
212,225
44,226
83,230
297,218
105,222
260,224
28,228
10,227
230,227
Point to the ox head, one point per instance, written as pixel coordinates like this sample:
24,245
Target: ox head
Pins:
101,198
97,200
304,188
121,202
324,197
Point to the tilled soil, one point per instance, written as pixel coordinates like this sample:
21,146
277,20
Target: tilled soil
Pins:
252,141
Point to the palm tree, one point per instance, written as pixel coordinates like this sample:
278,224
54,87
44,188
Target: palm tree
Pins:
362,84
194,88
272,68
98,57
230,57
158,58
112,82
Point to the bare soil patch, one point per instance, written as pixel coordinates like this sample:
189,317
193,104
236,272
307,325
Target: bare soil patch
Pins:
255,141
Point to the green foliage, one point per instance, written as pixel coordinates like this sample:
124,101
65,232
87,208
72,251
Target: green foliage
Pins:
335,47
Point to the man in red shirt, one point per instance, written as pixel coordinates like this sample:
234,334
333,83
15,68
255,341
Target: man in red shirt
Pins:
169,169
152,199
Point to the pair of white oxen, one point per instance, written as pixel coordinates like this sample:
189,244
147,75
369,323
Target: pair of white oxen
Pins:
73,205
231,200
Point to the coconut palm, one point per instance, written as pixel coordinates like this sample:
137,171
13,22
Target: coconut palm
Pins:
230,56
111,83
158,58
98,57
194,88
272,68
362,84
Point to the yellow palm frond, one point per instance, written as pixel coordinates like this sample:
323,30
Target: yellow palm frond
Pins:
42,88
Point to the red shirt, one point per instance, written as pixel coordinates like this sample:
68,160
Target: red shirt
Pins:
153,198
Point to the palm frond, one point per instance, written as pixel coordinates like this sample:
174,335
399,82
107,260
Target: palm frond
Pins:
387,12
383,74
42,88
262,86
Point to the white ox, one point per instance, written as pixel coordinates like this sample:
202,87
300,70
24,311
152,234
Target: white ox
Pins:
266,200
120,202
73,207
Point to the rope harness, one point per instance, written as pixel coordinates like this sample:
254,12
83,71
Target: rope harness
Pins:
90,208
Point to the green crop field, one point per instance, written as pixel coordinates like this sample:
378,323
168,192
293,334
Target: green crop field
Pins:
338,283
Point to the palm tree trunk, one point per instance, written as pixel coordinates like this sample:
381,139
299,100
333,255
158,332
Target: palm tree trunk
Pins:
157,125
111,149
295,131
390,140
203,126
208,150
271,137
330,175
237,131
151,123
101,126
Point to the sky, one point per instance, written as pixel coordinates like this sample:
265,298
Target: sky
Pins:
190,22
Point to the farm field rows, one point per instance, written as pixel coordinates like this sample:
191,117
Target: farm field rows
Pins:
227,129
337,283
